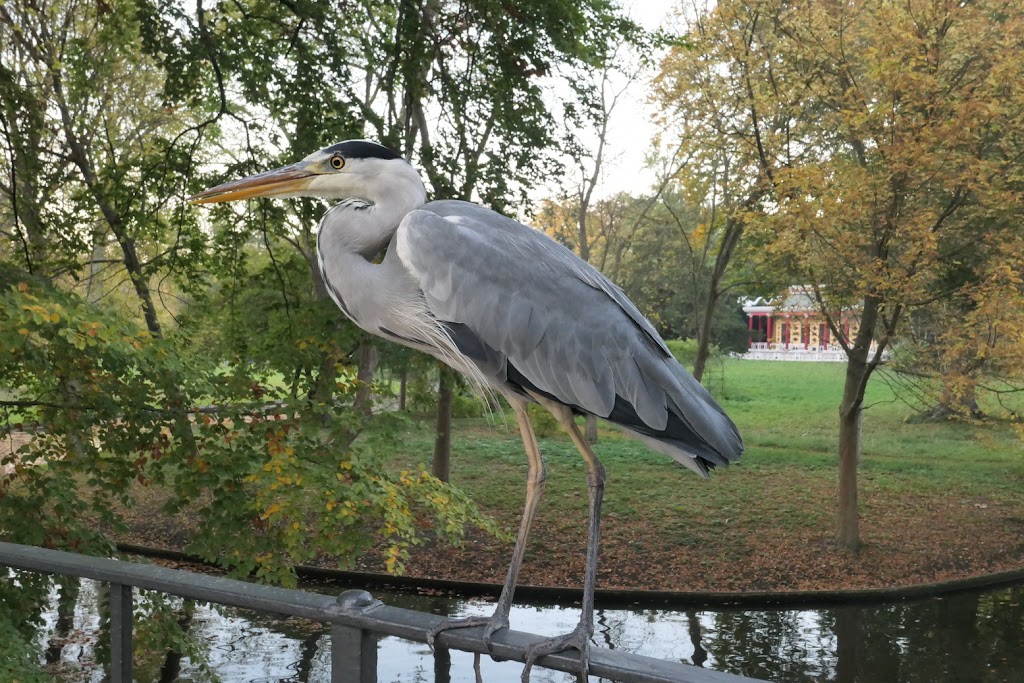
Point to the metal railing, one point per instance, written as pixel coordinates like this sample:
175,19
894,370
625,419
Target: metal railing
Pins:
356,620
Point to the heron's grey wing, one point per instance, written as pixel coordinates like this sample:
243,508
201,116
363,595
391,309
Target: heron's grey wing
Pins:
562,327
465,213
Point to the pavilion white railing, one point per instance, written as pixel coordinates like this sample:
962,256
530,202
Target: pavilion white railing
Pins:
796,352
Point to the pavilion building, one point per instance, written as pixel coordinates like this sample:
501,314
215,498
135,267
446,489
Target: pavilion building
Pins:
790,327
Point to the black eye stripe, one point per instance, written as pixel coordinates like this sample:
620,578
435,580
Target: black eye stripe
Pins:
362,149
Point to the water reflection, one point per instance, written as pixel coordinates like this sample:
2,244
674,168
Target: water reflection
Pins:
977,637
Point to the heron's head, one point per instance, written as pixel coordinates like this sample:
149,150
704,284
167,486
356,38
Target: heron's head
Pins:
354,168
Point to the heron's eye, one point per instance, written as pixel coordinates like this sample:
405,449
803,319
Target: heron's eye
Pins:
337,162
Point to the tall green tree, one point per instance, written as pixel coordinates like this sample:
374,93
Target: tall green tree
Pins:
92,156
458,87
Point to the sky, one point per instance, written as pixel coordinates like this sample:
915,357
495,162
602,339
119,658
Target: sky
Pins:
631,128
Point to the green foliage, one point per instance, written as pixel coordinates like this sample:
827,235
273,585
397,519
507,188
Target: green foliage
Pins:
306,495
92,385
685,350
264,322
544,423
95,386
18,657
422,394
467,404
21,604
161,628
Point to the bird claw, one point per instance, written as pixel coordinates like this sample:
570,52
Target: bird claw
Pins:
579,639
494,625
491,625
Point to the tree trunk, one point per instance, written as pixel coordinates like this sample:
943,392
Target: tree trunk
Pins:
731,235
326,379
367,358
403,388
590,429
140,281
700,359
704,345
850,411
440,467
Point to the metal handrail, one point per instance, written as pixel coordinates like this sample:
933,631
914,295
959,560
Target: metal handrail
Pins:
355,618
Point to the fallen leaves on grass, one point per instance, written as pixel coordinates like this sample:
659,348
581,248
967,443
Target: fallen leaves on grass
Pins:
907,540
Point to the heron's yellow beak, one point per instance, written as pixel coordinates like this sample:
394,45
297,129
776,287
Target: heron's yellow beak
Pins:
289,180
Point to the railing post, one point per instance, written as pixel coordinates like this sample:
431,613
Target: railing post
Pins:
442,664
121,622
353,655
353,650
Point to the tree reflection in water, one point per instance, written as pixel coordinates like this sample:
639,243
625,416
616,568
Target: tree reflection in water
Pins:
977,637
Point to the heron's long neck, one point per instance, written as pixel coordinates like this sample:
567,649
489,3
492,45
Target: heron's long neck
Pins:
352,233
363,223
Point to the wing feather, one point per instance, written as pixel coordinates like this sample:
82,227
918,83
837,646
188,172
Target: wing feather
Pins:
565,328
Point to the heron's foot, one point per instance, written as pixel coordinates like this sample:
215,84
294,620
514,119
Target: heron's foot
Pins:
491,624
579,639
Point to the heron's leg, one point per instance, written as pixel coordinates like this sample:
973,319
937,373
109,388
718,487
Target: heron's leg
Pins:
536,474
578,638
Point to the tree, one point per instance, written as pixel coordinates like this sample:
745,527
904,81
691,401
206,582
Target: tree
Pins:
711,240
718,171
881,132
700,236
103,145
85,171
959,357
455,87
613,225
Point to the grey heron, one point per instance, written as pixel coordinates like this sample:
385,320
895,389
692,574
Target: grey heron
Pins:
515,312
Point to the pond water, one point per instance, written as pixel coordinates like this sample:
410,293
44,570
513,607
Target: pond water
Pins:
964,637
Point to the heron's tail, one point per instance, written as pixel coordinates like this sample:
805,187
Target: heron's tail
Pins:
697,434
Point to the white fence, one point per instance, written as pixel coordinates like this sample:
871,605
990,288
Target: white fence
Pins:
832,353
770,351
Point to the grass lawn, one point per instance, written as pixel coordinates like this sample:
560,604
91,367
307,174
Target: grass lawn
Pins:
938,500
